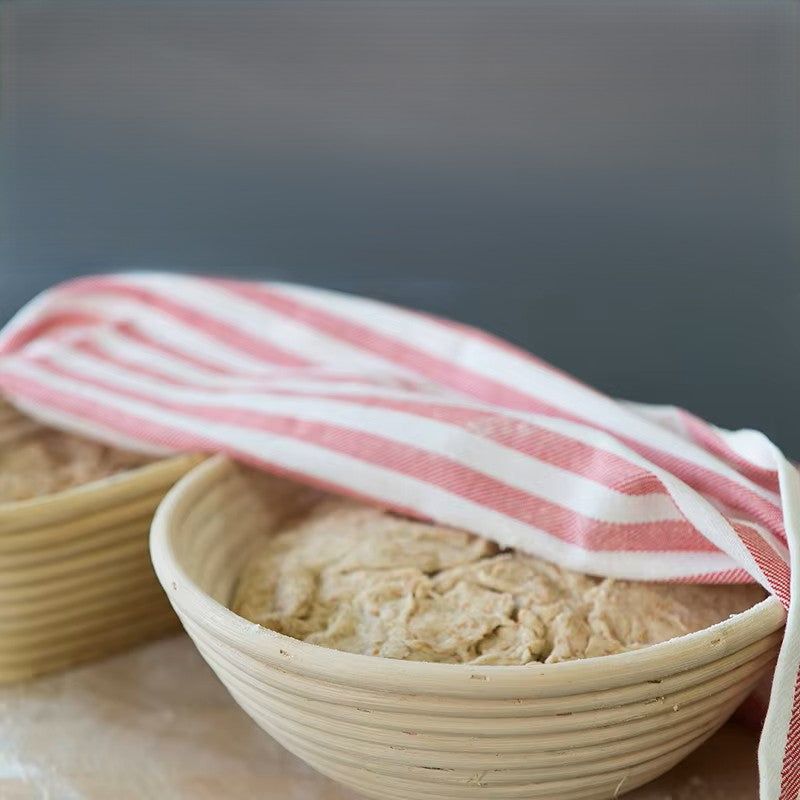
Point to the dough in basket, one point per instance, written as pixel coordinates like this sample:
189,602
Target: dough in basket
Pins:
36,460
355,578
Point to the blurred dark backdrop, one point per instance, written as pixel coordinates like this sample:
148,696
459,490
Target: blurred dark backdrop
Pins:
612,185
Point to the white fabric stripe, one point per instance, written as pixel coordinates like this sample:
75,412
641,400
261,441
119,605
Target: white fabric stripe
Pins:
735,515
703,515
780,549
157,324
776,726
117,345
564,480
560,486
517,373
750,445
63,420
667,509
665,415
570,494
584,403
516,469
714,526
384,485
262,323
723,535
586,434
166,279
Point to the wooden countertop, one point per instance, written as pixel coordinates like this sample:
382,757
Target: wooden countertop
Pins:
155,724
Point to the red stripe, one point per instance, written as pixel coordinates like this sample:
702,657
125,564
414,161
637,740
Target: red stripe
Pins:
772,566
489,339
49,324
548,446
705,481
702,433
528,443
737,575
243,378
222,331
446,473
131,331
705,436
264,293
561,451
454,376
393,350
94,350
146,430
609,470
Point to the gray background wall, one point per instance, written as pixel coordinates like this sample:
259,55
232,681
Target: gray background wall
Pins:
613,185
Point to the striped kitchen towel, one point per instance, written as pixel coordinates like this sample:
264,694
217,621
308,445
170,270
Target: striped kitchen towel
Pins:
428,417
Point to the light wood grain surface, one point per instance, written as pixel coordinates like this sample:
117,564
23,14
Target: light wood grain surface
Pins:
156,724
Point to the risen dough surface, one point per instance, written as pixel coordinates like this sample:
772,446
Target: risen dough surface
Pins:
36,461
354,578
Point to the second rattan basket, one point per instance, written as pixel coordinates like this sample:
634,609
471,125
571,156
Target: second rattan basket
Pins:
75,575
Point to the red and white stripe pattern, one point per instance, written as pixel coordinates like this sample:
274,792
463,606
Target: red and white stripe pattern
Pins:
424,416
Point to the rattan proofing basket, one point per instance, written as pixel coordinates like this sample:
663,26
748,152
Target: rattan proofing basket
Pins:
396,730
76,581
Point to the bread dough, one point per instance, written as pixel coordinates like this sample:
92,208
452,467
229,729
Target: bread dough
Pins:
355,578
37,461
